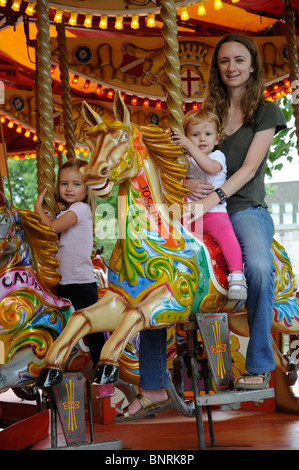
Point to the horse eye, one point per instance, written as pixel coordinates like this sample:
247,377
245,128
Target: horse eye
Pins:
124,137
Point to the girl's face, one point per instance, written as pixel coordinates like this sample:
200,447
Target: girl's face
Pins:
204,135
71,187
234,62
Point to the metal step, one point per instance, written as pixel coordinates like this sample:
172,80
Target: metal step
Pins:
234,396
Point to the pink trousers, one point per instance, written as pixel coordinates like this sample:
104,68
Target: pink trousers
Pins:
218,225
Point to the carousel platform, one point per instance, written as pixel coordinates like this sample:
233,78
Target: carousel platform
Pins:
239,429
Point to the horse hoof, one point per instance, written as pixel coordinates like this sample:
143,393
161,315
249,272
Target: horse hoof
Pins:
48,377
105,374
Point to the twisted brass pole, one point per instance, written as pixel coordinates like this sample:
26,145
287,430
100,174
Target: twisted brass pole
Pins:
289,16
45,103
66,91
172,68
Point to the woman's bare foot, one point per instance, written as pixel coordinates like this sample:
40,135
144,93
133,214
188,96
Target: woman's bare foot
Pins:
155,395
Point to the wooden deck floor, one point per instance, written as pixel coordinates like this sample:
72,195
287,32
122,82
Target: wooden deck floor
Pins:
170,431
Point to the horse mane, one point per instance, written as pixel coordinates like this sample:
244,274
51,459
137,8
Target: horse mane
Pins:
171,162
43,243
169,157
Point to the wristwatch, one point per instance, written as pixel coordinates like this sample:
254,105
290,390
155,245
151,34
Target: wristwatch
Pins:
221,194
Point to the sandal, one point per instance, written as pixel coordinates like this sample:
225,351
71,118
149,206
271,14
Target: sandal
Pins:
253,386
148,409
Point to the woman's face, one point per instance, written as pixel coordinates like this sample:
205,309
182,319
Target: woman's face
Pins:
234,62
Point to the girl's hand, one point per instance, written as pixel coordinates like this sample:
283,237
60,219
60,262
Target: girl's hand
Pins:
39,202
183,141
198,189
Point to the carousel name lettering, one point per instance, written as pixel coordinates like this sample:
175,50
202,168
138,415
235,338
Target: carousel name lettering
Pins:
150,204
20,278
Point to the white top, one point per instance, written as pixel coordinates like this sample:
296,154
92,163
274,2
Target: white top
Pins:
75,247
217,179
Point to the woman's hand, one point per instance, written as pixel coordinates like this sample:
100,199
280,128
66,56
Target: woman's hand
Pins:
198,189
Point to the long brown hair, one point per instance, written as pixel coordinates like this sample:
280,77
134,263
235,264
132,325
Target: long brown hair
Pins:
89,199
216,95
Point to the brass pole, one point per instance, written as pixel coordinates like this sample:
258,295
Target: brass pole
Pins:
66,91
45,103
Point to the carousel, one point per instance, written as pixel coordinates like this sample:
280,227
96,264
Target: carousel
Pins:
72,72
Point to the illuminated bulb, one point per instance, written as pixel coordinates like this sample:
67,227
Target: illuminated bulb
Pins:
19,129
73,19
98,90
2,3
134,101
88,21
119,22
201,9
30,9
58,16
75,80
135,22
16,5
103,22
287,82
265,92
235,1
145,103
10,124
158,105
218,4
110,94
184,14
35,137
53,67
77,151
60,147
3,119
151,23
86,84
27,133
195,106
275,87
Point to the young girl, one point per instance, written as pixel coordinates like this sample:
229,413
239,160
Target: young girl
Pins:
74,224
202,133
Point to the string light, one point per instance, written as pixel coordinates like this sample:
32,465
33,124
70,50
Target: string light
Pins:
2,3
119,22
30,9
27,133
10,124
3,119
201,9
218,4
146,103
98,90
58,16
75,80
133,101
135,22
86,84
88,21
110,94
184,14
158,105
19,129
16,5
151,23
103,22
73,19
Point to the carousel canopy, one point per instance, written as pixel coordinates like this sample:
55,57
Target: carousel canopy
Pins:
119,45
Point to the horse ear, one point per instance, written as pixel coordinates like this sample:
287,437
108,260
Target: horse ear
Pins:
90,116
120,110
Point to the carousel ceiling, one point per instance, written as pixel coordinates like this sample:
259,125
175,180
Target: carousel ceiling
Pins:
113,44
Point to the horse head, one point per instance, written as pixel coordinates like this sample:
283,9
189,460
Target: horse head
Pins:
11,233
112,148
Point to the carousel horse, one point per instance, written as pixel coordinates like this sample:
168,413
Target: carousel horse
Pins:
31,317
159,272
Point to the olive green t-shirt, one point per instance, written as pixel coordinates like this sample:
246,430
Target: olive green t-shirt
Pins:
235,148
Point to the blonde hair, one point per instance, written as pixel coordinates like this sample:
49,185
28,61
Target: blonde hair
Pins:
202,115
76,164
216,94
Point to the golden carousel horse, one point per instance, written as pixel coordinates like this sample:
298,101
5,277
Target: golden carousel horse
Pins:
159,273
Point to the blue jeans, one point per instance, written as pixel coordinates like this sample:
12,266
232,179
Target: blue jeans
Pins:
254,229
152,359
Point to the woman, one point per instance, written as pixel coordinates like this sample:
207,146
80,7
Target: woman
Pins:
235,93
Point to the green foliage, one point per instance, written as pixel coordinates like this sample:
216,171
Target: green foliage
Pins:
284,143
